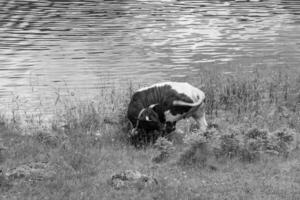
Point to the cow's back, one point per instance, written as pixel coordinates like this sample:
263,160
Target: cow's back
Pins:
187,89
180,89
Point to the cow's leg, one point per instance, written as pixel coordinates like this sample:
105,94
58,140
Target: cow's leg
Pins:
170,127
199,117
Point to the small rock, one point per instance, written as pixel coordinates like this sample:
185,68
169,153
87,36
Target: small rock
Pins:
131,179
32,171
4,182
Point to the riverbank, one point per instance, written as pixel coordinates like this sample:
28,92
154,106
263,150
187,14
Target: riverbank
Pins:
251,150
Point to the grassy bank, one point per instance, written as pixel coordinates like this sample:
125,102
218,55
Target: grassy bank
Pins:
251,150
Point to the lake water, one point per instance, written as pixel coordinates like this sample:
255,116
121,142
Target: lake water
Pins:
46,45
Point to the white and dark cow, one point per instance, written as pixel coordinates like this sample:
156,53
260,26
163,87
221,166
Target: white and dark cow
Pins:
160,106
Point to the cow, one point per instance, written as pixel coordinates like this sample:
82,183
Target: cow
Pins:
159,106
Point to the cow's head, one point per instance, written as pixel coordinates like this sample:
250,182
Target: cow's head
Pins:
149,114
150,118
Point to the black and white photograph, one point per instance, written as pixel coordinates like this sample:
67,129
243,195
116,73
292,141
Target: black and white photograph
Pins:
149,99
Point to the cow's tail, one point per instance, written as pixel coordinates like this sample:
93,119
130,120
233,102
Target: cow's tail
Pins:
183,103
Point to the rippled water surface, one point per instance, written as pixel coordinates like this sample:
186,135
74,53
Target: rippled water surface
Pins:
50,44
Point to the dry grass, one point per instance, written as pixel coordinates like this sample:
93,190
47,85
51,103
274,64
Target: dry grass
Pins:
251,153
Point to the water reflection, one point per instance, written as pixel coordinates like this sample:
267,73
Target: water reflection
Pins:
46,44
292,6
